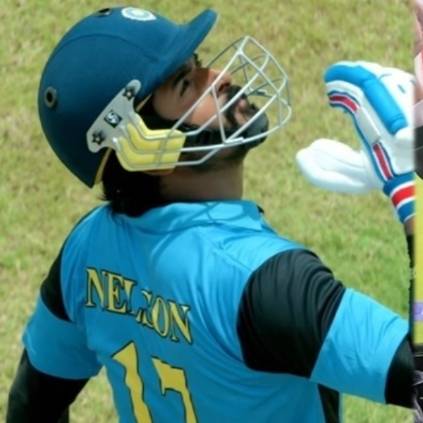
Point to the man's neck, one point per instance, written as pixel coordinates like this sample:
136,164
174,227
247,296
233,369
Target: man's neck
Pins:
186,184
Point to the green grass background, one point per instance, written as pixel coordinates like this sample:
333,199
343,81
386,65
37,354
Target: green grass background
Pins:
40,201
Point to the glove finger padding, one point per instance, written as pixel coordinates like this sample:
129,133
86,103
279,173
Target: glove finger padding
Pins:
379,100
337,167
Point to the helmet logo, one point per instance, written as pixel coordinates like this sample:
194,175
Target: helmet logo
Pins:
137,14
113,119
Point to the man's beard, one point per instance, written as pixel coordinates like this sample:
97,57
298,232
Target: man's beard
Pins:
248,111
212,136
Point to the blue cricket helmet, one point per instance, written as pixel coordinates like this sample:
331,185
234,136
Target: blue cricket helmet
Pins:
96,59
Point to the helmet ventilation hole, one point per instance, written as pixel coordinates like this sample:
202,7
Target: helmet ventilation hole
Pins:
104,12
50,97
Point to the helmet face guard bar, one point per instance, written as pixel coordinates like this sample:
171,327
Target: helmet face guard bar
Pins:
262,81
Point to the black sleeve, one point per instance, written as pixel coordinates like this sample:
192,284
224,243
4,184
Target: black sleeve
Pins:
399,381
51,292
286,310
35,396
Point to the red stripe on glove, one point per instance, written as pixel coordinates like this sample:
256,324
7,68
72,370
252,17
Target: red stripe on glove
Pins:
343,100
382,161
402,192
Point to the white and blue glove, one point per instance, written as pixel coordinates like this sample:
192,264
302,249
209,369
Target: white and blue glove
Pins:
379,100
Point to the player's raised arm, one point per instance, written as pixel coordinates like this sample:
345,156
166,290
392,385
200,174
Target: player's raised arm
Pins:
379,100
295,317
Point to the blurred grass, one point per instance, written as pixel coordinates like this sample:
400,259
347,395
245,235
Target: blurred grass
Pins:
40,201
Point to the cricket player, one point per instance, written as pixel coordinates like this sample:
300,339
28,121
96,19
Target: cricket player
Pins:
197,309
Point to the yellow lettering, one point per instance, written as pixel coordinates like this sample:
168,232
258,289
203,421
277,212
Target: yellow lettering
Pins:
94,284
128,358
128,285
160,317
115,283
173,378
181,322
113,292
138,316
144,314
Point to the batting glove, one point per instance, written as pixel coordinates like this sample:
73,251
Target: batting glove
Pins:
379,100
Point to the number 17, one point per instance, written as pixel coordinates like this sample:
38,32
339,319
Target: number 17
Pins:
170,378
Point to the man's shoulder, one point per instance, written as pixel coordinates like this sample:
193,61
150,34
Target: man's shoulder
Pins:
251,248
89,219
80,235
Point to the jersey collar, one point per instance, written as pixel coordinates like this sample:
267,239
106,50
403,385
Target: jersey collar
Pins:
178,216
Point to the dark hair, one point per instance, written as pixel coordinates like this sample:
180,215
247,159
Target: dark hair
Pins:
131,193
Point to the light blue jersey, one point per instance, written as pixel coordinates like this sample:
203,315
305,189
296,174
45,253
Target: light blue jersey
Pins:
155,300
